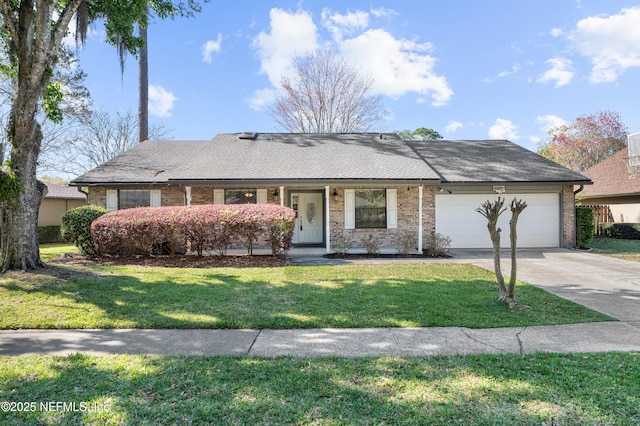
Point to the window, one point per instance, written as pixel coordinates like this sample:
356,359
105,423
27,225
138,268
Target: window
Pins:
370,208
129,198
240,196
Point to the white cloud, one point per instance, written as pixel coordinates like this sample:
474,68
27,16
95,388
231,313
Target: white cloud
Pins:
556,32
612,43
211,47
453,126
291,33
561,72
550,121
398,66
262,98
341,25
503,129
383,12
161,101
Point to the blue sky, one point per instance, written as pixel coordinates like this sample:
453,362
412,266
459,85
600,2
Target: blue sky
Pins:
468,69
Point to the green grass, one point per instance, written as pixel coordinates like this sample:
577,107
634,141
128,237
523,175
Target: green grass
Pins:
622,249
539,389
416,295
53,250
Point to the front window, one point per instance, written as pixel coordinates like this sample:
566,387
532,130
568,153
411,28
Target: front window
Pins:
371,208
129,198
240,196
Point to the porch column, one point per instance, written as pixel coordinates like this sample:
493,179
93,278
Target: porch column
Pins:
327,218
281,196
420,218
187,195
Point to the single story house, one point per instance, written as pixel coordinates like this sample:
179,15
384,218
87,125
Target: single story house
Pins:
58,200
353,184
614,185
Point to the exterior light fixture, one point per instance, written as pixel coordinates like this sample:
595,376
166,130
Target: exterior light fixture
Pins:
276,196
335,195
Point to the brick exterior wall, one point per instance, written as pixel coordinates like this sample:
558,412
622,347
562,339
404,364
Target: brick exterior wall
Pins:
407,219
389,238
568,217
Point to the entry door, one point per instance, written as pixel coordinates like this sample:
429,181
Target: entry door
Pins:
309,223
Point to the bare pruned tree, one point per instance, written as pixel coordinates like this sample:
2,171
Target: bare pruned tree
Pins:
99,137
326,95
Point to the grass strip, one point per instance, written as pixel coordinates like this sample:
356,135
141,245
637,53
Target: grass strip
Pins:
560,389
344,296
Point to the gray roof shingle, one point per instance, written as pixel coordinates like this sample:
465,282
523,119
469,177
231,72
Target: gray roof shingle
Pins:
491,161
314,157
64,192
271,156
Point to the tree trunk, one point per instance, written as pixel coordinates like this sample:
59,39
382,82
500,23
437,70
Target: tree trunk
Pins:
517,206
20,248
143,88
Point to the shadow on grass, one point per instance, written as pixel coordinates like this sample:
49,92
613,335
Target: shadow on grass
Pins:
291,297
506,389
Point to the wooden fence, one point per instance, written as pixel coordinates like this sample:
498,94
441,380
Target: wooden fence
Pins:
601,214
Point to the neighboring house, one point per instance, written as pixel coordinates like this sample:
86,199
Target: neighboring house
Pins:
615,186
355,184
58,200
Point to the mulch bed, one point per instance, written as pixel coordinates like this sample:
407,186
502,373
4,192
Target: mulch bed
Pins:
177,261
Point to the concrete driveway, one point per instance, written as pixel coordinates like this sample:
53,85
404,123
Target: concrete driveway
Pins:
604,284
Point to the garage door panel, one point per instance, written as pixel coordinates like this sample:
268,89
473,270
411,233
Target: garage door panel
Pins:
538,224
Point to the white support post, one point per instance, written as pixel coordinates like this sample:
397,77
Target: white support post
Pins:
327,197
281,196
420,219
187,195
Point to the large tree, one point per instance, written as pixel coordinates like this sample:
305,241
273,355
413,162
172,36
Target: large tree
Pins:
31,35
587,141
99,137
420,134
326,95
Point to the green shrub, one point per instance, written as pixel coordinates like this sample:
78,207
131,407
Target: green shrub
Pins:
49,234
438,244
76,226
585,220
342,243
371,243
407,242
624,231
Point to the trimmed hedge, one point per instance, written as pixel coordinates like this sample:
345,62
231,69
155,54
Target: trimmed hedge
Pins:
76,226
586,226
147,230
49,234
625,231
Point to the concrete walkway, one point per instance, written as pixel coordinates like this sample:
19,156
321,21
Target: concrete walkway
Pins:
604,284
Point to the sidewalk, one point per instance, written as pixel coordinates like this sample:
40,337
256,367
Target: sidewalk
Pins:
594,337
607,285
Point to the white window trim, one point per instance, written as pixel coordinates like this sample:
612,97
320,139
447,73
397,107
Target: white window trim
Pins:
350,208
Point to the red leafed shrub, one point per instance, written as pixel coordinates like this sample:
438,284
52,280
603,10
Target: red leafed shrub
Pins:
145,230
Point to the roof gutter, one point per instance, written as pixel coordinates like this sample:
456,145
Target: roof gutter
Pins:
579,190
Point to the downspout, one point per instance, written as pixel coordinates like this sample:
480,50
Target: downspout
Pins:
575,214
327,219
420,189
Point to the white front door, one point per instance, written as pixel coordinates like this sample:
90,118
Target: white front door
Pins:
309,217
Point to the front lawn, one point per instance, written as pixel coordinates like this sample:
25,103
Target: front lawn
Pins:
622,249
539,389
416,295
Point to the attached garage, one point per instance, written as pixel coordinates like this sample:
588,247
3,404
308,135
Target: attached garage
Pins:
538,225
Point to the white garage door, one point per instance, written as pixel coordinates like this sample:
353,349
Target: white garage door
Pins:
538,224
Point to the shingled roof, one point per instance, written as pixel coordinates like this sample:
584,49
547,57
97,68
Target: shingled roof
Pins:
284,157
64,192
612,178
491,161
